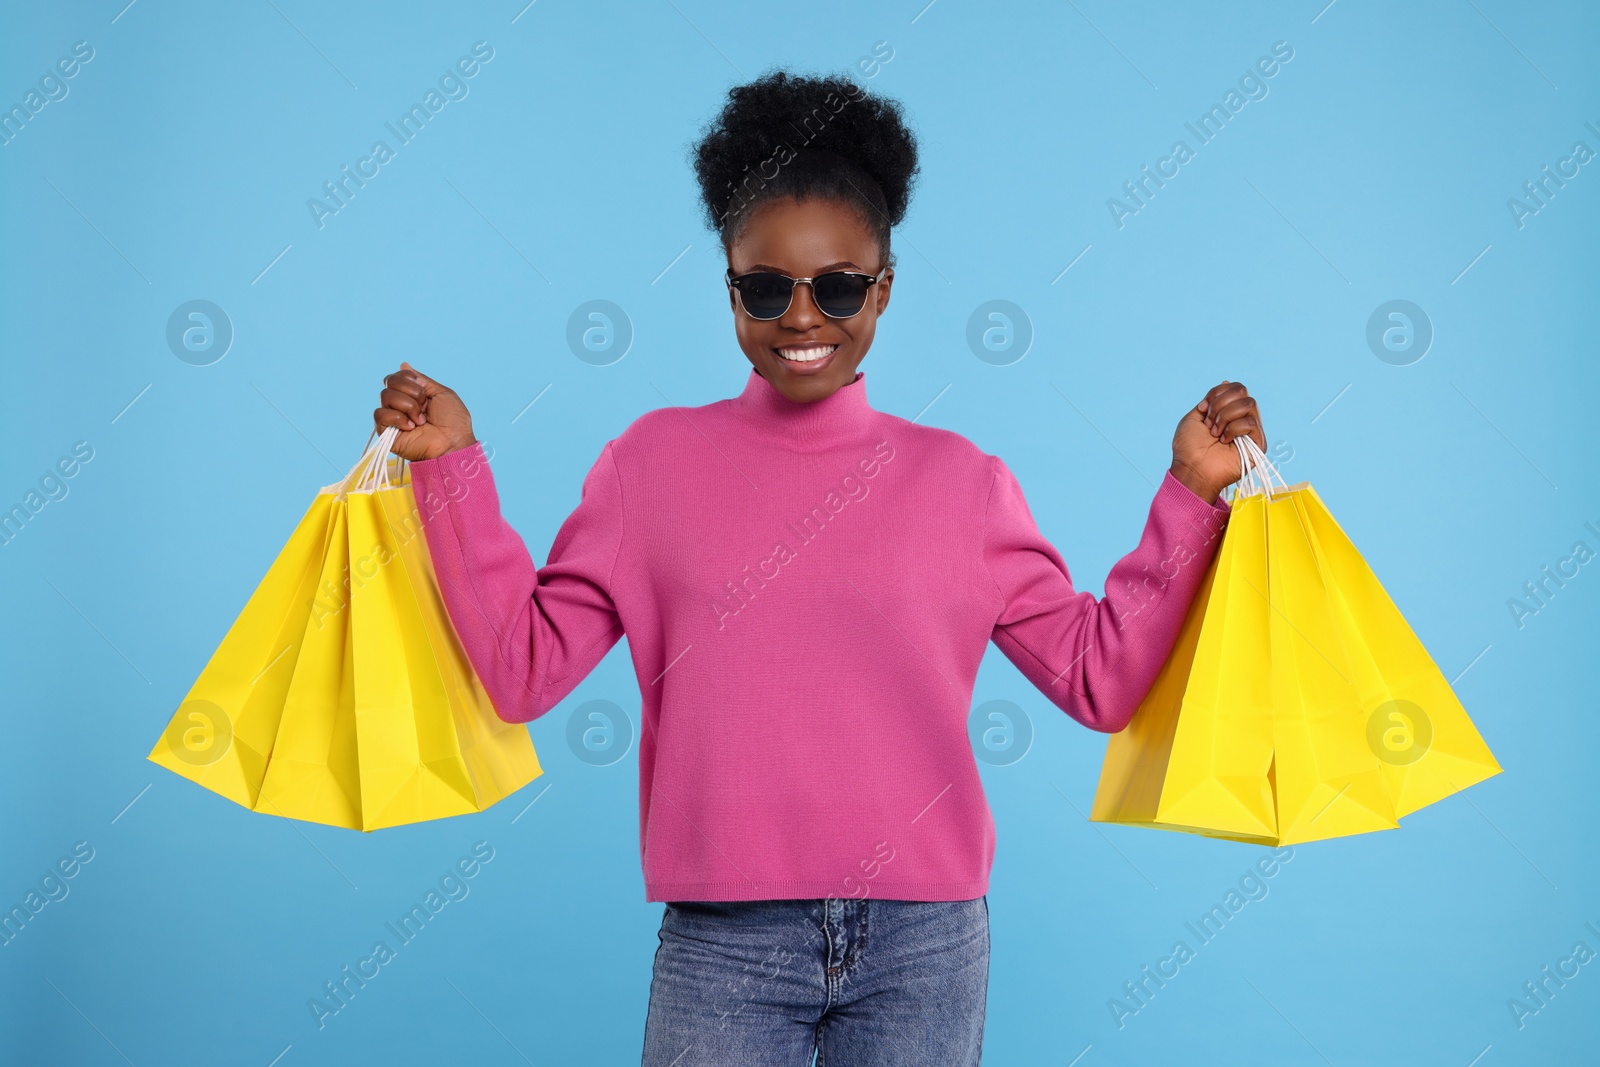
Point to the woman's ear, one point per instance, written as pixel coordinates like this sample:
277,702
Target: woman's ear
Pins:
883,287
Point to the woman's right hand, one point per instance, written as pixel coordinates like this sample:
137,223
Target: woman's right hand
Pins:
431,418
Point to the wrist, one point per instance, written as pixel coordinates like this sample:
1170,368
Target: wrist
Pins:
455,444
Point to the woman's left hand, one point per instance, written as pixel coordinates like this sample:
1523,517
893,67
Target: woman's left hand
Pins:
1204,457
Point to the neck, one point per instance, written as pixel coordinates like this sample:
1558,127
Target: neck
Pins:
805,425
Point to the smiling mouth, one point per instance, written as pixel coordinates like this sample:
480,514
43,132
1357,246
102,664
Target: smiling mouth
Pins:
806,353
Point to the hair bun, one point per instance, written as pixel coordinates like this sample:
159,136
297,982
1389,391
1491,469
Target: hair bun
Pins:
796,135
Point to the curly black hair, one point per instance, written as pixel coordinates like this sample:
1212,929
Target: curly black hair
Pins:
787,135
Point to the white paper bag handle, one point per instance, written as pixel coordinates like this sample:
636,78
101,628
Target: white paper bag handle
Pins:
1256,470
372,469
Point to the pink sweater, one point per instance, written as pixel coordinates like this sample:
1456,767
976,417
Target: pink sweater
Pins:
807,590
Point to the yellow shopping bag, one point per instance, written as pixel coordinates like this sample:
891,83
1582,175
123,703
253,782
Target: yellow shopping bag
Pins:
1426,745
1328,780
227,750
1329,714
455,755
341,694
1198,754
312,772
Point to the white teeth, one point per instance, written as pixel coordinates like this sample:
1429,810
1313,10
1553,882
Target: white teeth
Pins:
808,354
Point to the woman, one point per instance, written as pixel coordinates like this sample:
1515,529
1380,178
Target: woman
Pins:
808,586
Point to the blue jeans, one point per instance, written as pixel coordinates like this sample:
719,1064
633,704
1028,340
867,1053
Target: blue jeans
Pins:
765,983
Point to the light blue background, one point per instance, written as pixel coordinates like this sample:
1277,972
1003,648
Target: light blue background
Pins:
178,167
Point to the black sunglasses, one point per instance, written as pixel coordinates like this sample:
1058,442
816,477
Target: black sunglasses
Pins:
838,294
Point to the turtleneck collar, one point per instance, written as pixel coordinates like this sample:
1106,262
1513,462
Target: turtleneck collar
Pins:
821,422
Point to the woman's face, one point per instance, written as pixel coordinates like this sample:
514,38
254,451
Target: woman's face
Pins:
805,238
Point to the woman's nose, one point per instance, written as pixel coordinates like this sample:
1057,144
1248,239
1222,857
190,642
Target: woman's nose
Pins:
803,310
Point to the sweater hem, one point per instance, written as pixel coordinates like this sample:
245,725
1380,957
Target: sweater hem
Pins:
661,892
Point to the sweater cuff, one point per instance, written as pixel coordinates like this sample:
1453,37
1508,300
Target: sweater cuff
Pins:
436,483
1189,502
431,472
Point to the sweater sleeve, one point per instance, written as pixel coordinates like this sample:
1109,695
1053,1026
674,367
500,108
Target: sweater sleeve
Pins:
1096,659
531,635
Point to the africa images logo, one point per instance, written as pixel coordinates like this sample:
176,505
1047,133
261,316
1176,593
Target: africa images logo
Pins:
452,86
1252,87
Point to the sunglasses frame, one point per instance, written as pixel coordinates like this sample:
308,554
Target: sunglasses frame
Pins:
732,281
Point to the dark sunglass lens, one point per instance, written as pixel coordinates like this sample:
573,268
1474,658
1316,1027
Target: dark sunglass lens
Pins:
841,295
766,296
